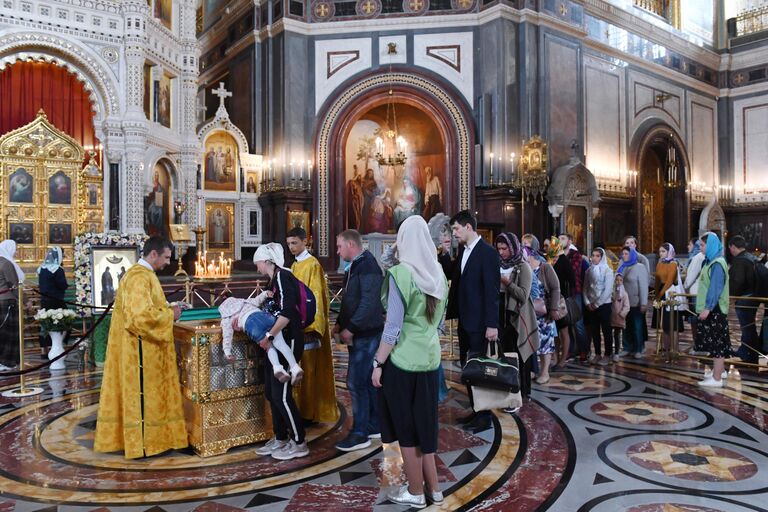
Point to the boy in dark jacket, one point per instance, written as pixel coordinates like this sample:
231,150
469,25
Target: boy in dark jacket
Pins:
359,325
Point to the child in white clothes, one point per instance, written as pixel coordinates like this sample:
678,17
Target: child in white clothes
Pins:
256,321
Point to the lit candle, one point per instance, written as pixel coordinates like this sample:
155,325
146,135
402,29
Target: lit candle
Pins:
491,177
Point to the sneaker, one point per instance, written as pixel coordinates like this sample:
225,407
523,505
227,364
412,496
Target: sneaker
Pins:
709,382
639,355
603,361
624,353
615,358
403,497
281,375
375,435
272,445
436,498
592,359
512,410
354,442
296,375
291,450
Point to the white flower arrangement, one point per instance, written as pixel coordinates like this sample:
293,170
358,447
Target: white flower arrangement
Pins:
83,271
56,320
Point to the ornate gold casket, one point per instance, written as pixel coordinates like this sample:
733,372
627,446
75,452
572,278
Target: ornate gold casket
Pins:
224,402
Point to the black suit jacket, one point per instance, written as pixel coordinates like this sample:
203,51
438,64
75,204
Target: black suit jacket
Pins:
474,294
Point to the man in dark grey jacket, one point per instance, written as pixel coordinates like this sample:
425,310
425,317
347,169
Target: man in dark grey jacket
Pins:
742,283
359,326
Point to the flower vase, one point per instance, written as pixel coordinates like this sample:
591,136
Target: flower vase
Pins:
57,347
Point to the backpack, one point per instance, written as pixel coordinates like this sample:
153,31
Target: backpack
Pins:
761,279
307,305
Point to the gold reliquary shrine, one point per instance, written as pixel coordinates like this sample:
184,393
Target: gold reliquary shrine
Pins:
47,196
224,403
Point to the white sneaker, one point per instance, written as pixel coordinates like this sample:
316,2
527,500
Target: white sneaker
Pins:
291,451
280,374
724,375
615,358
375,435
592,358
709,382
4,368
512,410
624,353
272,445
435,497
639,355
296,375
603,361
403,497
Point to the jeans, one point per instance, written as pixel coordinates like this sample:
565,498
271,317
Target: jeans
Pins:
365,410
746,312
634,338
582,340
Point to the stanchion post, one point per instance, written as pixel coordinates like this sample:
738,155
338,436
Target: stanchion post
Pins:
22,390
451,332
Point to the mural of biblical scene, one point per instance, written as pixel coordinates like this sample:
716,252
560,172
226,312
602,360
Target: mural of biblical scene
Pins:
59,234
220,162
20,186
163,11
163,101
220,225
21,232
157,207
378,198
576,225
60,189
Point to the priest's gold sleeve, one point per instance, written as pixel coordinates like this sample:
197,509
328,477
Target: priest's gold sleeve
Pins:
140,367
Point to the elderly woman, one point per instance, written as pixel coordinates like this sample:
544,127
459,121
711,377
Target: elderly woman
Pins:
11,276
517,317
407,361
636,285
547,303
53,285
712,307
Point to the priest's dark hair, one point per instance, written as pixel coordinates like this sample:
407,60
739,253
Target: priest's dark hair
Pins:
299,233
463,218
156,243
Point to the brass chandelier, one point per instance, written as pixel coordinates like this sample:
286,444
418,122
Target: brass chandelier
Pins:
396,142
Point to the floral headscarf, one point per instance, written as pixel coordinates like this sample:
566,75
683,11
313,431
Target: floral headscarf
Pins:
515,249
555,249
670,253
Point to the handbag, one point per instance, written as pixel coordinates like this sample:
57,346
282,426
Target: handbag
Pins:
485,399
679,301
574,311
495,370
540,307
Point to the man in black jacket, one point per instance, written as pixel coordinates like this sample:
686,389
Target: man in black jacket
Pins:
474,300
741,280
359,326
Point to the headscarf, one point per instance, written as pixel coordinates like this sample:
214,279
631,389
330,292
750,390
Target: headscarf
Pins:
416,252
555,249
714,248
670,254
52,261
625,264
602,264
515,249
696,249
271,252
7,250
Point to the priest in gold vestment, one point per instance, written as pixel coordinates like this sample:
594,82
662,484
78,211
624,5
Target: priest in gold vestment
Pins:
140,372
316,397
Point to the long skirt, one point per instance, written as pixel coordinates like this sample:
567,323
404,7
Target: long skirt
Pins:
713,334
9,333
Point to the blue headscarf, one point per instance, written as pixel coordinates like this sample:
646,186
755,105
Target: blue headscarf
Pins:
625,264
714,248
696,249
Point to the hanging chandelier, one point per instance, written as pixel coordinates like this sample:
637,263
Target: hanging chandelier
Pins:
671,171
395,144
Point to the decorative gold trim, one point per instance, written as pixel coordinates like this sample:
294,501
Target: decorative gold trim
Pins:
331,118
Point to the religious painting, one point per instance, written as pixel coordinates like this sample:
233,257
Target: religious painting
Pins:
220,224
220,162
93,194
20,186
148,91
377,198
253,223
21,232
211,11
60,234
164,12
298,219
163,101
576,225
60,189
109,265
157,208
251,182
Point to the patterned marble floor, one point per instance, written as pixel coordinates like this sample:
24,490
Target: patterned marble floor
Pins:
634,437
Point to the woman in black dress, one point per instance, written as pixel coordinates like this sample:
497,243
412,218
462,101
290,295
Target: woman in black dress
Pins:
559,261
53,286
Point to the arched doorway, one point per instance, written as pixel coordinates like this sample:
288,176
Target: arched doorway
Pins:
662,201
448,113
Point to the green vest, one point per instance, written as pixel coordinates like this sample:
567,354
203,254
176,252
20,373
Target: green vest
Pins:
418,349
701,295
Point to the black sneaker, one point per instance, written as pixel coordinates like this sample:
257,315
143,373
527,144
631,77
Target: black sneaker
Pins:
354,442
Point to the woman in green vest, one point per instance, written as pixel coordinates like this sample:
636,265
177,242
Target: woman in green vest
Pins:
712,307
407,361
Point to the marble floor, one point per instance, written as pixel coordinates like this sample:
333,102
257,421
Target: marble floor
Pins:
637,436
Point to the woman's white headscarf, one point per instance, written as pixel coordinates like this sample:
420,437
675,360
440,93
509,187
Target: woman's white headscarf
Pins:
7,251
53,260
271,252
416,251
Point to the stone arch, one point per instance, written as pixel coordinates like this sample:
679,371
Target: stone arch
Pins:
97,79
355,91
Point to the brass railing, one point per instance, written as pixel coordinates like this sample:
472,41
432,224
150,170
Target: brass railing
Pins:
754,20
667,9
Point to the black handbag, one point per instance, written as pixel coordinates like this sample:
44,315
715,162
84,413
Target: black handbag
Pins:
574,311
493,371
